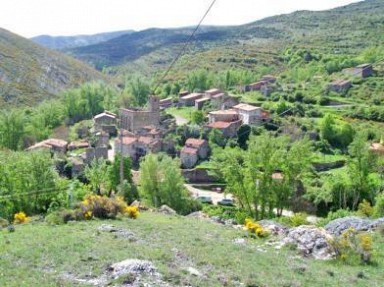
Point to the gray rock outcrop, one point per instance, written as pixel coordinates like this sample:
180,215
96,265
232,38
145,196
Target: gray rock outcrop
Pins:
338,226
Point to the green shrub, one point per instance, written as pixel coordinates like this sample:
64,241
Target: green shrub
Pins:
378,209
3,223
295,220
365,209
62,216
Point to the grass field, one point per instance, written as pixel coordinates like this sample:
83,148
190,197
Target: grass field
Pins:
41,255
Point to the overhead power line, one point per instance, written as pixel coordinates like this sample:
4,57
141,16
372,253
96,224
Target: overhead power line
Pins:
184,47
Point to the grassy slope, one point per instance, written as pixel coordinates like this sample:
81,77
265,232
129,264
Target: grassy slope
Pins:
38,254
30,73
347,29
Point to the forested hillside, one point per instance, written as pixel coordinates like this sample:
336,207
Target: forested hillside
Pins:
30,73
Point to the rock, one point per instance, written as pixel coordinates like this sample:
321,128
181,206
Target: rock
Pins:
118,232
230,222
165,209
217,219
311,241
239,241
273,226
198,214
132,266
194,272
338,226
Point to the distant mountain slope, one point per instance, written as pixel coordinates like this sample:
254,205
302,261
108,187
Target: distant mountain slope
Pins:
350,28
66,42
135,45
30,73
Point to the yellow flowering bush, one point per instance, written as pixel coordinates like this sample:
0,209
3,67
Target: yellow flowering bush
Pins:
20,218
255,228
105,207
132,211
350,245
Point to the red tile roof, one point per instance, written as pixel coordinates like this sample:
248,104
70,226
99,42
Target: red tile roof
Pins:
219,125
195,143
189,150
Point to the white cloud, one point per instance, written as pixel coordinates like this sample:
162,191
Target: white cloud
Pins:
70,17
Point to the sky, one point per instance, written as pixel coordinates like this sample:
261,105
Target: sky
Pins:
30,18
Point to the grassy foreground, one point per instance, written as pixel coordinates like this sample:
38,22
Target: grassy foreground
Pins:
41,255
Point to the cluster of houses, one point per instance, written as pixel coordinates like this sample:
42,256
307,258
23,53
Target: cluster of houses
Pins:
215,98
264,85
137,132
341,86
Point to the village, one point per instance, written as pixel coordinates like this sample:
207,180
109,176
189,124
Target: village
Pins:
136,132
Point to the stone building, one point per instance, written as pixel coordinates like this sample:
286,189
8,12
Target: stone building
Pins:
105,122
229,129
188,157
134,119
223,116
53,145
251,115
200,145
189,100
340,86
362,71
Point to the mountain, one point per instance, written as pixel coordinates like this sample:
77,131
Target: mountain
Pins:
350,28
66,42
30,73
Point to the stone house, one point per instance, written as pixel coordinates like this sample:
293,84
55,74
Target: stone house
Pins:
189,100
199,103
229,102
166,103
200,145
251,115
377,148
183,94
137,146
188,157
53,145
102,139
362,71
105,122
134,119
229,129
78,145
95,153
212,92
340,86
223,116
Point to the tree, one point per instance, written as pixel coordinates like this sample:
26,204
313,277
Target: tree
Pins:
11,129
360,166
197,117
243,136
139,90
161,183
97,174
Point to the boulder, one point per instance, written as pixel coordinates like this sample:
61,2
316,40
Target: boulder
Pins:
338,226
274,227
311,241
132,266
165,209
198,214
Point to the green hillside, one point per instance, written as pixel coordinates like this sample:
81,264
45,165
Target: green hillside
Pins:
347,29
30,73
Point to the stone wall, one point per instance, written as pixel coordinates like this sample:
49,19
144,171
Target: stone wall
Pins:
198,175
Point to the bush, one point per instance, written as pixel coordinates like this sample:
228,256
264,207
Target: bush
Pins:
61,216
351,247
3,223
256,229
378,209
102,207
20,218
365,209
295,220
